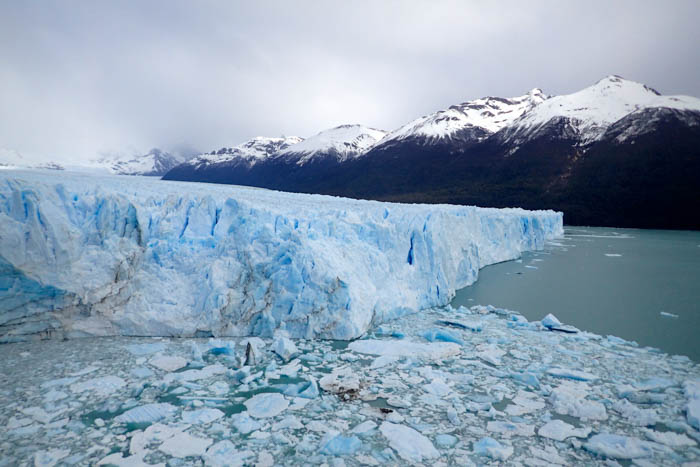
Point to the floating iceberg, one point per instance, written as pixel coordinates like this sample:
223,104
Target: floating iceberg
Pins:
117,255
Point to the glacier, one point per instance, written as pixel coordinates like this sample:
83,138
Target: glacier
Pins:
114,255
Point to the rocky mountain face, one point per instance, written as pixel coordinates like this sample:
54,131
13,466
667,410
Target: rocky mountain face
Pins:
617,153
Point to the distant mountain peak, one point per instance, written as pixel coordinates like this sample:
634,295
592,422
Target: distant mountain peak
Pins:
341,142
480,117
249,152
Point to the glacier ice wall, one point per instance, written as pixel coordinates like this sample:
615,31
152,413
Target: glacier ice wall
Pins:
110,255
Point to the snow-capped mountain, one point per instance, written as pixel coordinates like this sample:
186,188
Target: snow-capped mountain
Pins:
341,143
475,120
154,162
616,153
247,154
592,110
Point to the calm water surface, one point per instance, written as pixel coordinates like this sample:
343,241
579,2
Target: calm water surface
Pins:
607,281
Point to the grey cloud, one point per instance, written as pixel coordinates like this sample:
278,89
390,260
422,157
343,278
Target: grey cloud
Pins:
82,77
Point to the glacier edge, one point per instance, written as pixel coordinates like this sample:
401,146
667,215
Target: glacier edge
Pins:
111,255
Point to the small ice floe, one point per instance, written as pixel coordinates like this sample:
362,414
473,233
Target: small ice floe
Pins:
103,385
408,443
529,266
473,326
201,416
381,362
224,454
613,255
618,447
446,441
510,428
524,402
147,413
50,458
266,405
490,353
692,394
668,315
195,375
655,384
185,445
489,447
559,430
553,324
284,347
339,445
168,363
244,423
442,335
364,427
569,398
567,373
428,351
669,438
343,382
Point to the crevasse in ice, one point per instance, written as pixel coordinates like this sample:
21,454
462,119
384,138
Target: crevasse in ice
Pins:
109,255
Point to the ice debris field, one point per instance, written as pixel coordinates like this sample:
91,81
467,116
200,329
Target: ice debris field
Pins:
442,387
110,255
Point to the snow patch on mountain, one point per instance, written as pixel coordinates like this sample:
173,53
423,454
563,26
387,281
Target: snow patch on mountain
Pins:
342,142
483,116
109,255
249,153
593,109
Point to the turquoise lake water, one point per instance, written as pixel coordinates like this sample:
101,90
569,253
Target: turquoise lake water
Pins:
641,285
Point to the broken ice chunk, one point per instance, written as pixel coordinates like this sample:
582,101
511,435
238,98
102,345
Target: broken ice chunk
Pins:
339,445
569,398
618,447
489,447
474,326
168,363
225,454
364,427
147,413
408,443
244,423
266,405
445,441
559,430
433,335
550,321
692,393
342,381
432,351
103,385
285,348
201,416
185,445
576,375
510,428
670,438
50,458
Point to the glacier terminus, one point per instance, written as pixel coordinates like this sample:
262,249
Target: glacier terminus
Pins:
111,255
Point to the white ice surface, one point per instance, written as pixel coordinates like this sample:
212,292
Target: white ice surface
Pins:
115,255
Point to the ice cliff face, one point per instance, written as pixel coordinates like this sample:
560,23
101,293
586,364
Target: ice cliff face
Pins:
112,255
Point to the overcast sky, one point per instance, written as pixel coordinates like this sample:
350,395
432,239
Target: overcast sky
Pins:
78,78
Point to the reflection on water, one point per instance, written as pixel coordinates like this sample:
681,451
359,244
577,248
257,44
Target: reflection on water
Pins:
641,285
